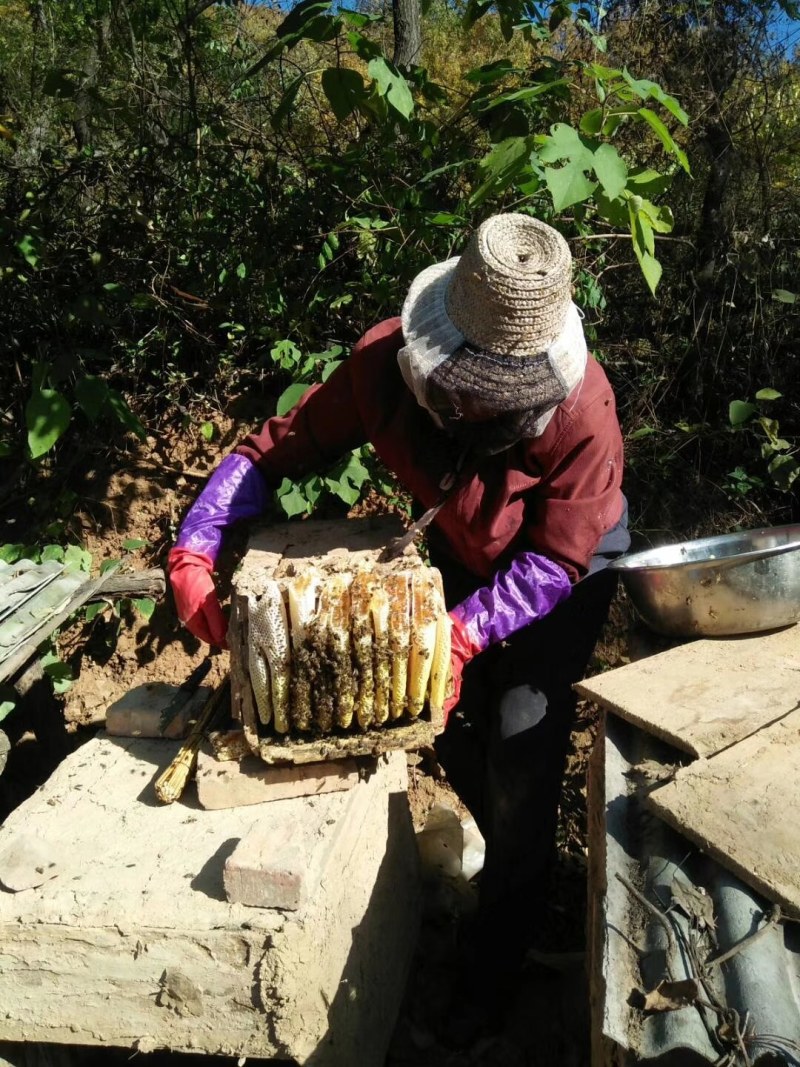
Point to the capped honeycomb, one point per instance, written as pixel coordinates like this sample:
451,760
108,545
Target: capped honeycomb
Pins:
346,645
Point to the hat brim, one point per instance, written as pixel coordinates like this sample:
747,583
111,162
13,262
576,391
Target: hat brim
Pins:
426,325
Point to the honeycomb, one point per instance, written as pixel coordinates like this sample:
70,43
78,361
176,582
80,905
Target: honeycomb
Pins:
347,650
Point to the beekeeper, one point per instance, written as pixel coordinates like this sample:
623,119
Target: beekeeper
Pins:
483,401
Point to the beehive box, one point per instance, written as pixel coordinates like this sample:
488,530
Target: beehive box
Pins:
333,652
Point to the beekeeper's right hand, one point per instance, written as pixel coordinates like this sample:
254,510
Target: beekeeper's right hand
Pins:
236,490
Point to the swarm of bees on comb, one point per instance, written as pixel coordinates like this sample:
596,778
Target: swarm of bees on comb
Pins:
347,649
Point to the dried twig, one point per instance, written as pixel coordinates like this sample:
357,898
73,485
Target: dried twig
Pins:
660,918
773,920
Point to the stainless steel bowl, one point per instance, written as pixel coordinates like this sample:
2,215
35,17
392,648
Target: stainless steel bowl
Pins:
734,584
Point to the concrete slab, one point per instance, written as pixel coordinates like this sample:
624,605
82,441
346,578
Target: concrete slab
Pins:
709,694
134,944
741,807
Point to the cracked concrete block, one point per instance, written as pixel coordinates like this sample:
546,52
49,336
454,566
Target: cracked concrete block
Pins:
134,944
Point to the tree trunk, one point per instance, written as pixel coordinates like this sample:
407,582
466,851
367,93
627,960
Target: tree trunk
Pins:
407,32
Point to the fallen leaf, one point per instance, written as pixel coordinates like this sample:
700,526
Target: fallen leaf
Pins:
671,996
695,903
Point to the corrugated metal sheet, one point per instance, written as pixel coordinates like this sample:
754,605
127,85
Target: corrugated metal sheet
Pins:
748,1011
30,594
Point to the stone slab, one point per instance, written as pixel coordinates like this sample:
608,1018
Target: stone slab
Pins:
134,944
236,783
741,806
704,696
138,713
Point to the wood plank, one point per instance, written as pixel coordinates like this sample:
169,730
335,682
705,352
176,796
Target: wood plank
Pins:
741,806
704,696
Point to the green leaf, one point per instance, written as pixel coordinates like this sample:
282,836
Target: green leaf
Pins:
768,394
93,610
6,707
490,72
52,552
91,393
643,431
502,165
445,218
613,211
648,182
784,296
475,10
611,171
664,136
47,415
392,85
784,471
651,269
652,90
286,354
77,559
740,411
302,16
59,673
120,408
559,14
645,238
27,247
133,544
528,93
207,431
568,185
145,606
592,122
289,397
284,108
109,565
363,47
12,553
564,142
329,368
143,301
292,500
344,89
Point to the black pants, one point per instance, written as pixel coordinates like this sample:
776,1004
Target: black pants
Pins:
504,750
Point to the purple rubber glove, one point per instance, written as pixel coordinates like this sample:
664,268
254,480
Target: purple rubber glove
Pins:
527,590
236,490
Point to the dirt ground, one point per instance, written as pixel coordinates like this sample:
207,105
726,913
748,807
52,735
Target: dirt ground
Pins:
143,500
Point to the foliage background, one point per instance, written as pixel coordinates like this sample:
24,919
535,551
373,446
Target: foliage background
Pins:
200,200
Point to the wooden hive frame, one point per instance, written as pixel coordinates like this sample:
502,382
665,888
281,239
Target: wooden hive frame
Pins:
335,550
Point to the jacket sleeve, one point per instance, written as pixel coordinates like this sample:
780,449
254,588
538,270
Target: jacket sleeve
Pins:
319,430
580,496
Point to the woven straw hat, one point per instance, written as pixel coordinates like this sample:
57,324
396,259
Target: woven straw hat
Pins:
512,287
498,321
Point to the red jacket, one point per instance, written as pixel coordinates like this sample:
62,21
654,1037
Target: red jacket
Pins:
556,494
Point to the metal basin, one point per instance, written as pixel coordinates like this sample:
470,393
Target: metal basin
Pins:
734,584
